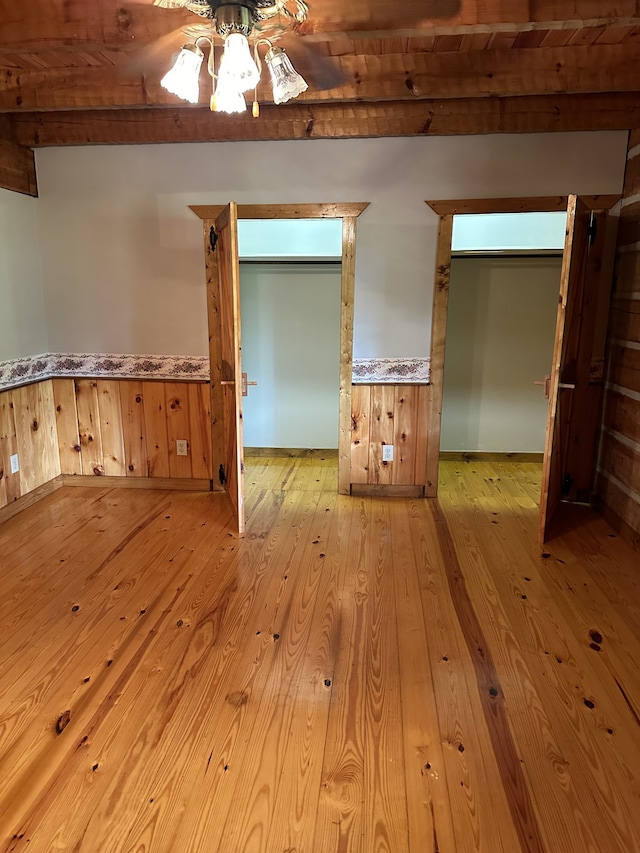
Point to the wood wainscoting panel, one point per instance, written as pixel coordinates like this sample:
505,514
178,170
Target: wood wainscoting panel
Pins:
360,418
133,427
199,396
389,414
64,398
382,432
129,428
89,426
28,429
110,414
9,483
155,417
114,428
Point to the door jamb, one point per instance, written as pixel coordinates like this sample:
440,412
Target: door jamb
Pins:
348,212
446,209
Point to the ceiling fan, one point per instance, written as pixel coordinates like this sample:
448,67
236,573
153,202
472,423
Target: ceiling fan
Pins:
234,22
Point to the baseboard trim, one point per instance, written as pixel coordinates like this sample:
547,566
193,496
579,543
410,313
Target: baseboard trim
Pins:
165,483
476,456
624,530
362,490
292,452
30,499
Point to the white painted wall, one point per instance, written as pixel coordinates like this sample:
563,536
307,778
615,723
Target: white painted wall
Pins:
291,348
500,333
123,255
22,318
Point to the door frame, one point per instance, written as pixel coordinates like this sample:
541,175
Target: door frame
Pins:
446,210
349,213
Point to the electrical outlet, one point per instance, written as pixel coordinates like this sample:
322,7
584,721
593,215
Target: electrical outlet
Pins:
387,452
182,447
15,464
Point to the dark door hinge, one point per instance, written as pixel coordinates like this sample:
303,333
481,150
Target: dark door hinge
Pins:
213,239
221,475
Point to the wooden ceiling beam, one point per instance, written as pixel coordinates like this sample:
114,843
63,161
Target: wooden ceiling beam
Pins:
75,24
480,73
359,18
435,29
529,114
17,163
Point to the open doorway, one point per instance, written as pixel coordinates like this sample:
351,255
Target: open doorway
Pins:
290,288
574,386
503,297
220,231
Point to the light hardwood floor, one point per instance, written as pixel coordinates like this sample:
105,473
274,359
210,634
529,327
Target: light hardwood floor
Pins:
356,674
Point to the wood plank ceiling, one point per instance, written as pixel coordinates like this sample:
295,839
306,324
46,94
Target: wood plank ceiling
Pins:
76,72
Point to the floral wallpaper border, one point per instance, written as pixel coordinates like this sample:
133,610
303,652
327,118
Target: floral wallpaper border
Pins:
21,371
392,370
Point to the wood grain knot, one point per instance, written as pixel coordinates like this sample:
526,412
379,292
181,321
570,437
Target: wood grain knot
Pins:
35,425
63,721
238,699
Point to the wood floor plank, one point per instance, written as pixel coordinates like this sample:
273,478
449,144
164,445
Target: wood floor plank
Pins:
354,674
562,669
430,822
481,815
364,729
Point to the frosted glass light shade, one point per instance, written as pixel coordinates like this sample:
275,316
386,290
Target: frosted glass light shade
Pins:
228,98
238,63
286,81
183,79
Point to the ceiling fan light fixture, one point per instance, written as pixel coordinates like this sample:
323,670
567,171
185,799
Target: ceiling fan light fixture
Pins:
183,79
286,81
238,64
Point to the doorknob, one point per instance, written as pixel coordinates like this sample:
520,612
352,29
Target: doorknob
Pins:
245,385
546,382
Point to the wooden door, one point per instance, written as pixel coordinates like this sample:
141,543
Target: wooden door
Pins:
569,456
231,473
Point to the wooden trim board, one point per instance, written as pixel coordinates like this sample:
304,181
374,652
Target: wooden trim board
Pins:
333,210
363,490
31,498
347,297
478,456
291,452
349,213
163,483
449,207
624,530
438,338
